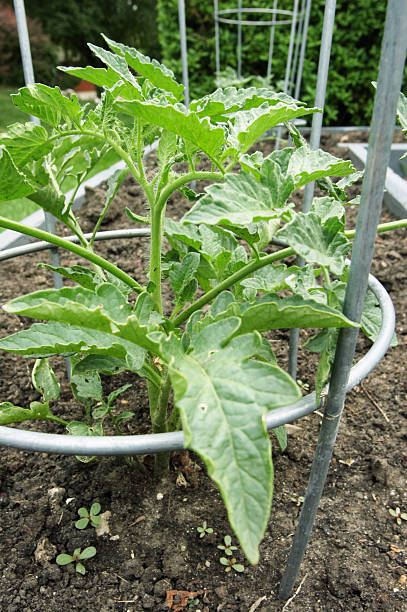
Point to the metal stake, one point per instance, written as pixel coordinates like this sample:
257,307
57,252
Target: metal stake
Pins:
323,66
184,54
389,82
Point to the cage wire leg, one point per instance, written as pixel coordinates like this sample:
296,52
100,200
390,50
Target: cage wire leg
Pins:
184,54
322,79
217,49
392,60
302,52
298,36
288,64
28,70
239,39
271,45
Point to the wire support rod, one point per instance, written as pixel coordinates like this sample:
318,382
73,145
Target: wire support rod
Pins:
389,82
320,92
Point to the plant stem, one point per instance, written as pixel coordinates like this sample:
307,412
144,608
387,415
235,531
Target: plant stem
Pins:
73,248
157,229
183,180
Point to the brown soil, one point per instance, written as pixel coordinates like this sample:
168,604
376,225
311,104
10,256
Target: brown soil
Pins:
357,555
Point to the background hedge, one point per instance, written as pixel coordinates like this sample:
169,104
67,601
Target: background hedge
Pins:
354,58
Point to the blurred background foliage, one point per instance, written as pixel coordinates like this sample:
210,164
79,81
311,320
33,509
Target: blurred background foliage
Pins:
60,30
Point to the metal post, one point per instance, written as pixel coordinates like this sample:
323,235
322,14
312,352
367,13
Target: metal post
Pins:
291,45
217,50
25,50
29,80
298,35
239,40
302,52
184,55
323,66
393,56
272,32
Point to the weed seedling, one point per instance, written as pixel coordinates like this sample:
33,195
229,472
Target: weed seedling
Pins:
88,517
298,501
227,547
77,557
231,564
204,529
398,515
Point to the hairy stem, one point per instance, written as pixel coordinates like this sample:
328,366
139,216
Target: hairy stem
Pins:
73,248
184,180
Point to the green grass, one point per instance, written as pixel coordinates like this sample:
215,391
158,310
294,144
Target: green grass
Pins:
8,112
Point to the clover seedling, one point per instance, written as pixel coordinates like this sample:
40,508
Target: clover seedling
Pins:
204,529
227,547
231,564
77,557
88,517
398,515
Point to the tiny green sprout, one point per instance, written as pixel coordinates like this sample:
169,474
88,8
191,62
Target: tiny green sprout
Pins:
231,563
298,501
227,547
77,557
204,529
398,515
303,384
193,602
88,517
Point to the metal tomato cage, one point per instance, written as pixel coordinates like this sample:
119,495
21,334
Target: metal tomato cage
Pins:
344,376
297,19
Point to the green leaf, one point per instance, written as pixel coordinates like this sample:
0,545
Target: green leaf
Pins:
26,142
371,321
79,274
273,312
44,380
156,73
281,435
82,523
182,278
306,165
327,207
48,104
230,100
319,243
64,559
104,364
240,200
402,111
99,76
9,413
167,146
177,119
118,65
83,512
13,183
222,396
86,386
88,553
95,508
115,394
57,338
249,125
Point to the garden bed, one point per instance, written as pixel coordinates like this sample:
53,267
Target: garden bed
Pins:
357,556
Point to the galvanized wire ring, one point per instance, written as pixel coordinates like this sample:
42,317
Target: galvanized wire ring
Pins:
154,443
